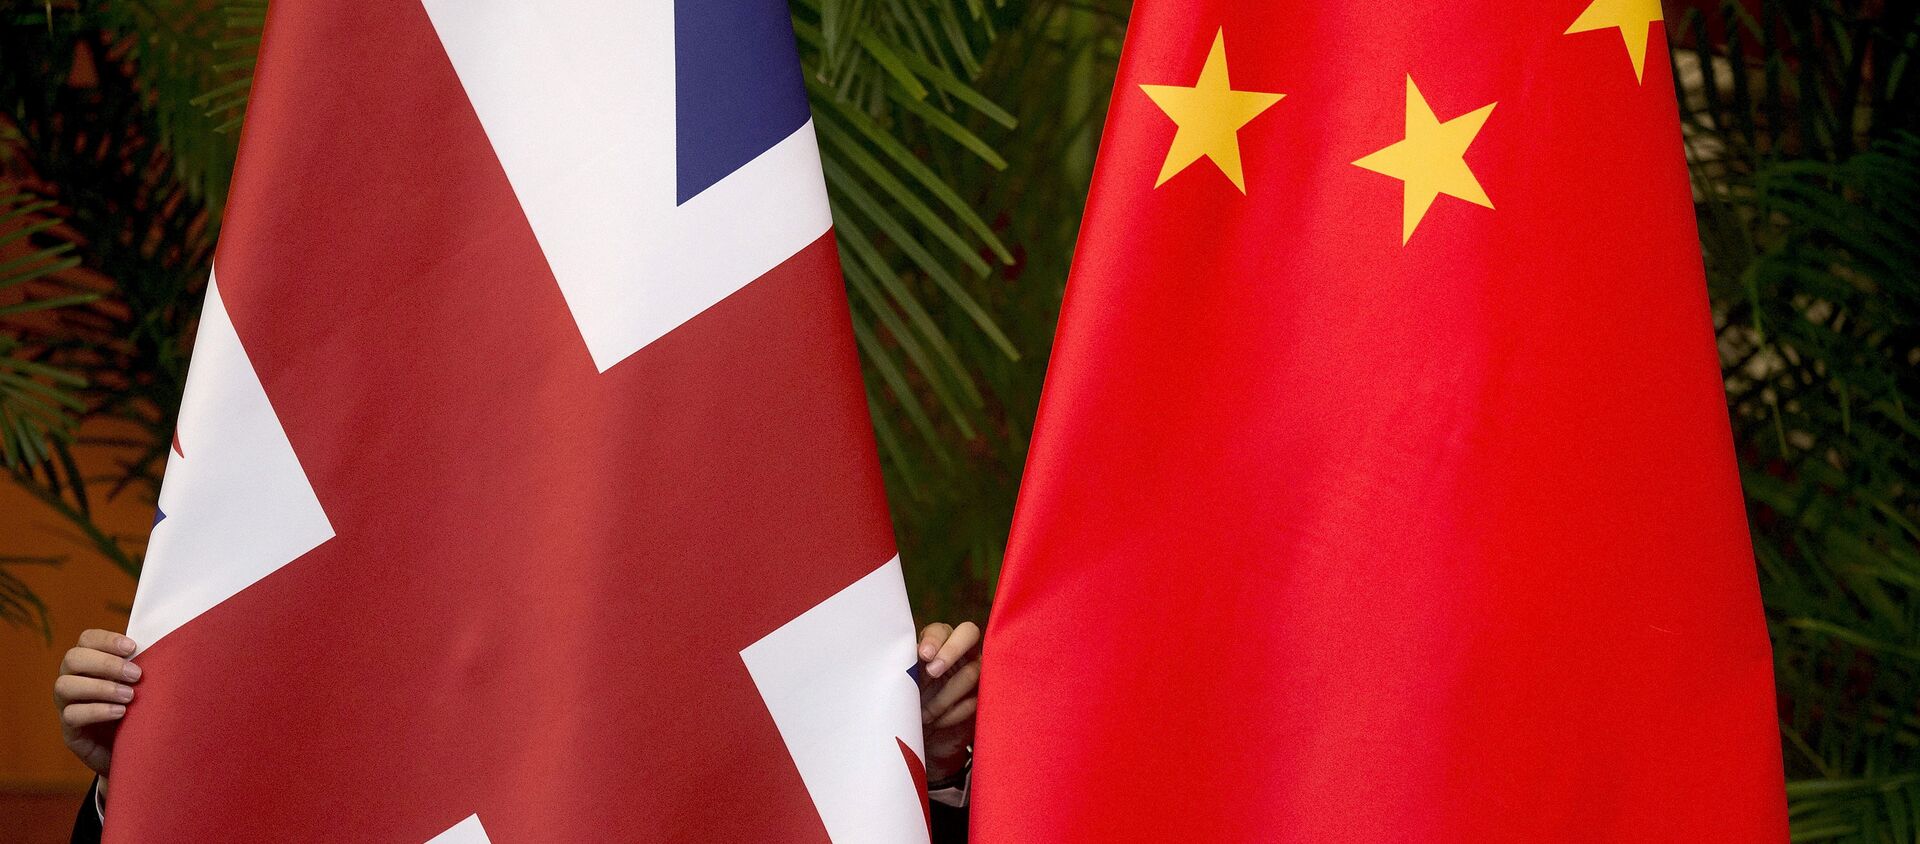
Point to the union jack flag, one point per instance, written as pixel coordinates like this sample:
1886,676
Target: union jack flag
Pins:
524,487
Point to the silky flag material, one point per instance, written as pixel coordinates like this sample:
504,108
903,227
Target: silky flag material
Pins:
524,487
1382,488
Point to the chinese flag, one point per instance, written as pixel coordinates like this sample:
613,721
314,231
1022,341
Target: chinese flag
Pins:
1383,488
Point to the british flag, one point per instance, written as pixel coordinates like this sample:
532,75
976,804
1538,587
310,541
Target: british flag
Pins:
524,488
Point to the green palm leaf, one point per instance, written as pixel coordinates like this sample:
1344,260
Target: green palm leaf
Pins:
38,403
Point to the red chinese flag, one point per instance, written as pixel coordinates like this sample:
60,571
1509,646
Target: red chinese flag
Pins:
1382,489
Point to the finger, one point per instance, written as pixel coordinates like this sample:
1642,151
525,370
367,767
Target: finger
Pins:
88,662
958,714
71,688
957,645
89,714
107,640
958,687
931,638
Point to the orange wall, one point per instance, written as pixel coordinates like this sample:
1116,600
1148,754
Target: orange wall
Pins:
81,593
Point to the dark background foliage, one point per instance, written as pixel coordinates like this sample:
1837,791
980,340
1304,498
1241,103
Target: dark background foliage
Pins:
959,138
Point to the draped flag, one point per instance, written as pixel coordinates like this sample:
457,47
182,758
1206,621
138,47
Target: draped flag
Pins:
524,487
1383,488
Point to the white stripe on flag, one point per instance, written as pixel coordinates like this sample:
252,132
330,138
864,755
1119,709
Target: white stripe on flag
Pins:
580,108
468,831
235,505
835,680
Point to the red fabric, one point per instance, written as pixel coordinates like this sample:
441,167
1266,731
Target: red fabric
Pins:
543,575
1324,537
919,771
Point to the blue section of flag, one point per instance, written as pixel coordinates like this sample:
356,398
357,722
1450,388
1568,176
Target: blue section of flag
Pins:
737,75
159,515
914,672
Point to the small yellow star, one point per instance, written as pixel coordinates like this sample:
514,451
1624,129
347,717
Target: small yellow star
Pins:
1209,116
1632,17
1431,160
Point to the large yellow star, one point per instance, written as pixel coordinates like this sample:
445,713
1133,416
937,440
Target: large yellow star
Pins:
1209,116
1632,17
1431,160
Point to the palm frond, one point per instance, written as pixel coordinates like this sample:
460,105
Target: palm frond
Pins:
891,102
132,242
194,61
37,401
1799,120
19,606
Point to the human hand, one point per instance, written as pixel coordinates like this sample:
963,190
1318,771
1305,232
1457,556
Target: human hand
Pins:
949,687
92,692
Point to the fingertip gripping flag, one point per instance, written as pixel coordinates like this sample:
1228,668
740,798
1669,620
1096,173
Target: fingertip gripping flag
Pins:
524,487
